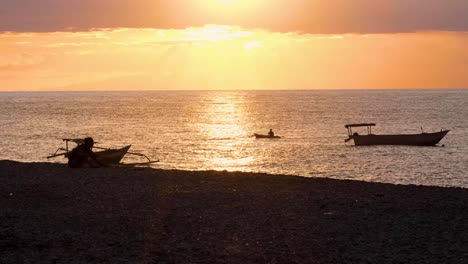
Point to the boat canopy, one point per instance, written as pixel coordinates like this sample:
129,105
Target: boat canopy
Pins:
360,125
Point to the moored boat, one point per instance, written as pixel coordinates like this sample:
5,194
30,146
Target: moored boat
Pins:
106,156
111,156
421,139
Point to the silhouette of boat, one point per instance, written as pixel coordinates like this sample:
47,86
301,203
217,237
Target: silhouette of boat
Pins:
106,156
112,156
421,139
265,136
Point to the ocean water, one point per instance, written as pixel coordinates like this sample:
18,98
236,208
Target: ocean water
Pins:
212,130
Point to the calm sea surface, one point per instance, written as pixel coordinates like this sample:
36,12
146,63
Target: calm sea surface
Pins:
212,130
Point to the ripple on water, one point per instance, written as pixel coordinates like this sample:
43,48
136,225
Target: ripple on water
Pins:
196,130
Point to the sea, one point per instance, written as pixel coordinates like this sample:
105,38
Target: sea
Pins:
213,130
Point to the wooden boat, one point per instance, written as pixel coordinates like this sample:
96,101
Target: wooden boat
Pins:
421,139
106,156
111,156
265,136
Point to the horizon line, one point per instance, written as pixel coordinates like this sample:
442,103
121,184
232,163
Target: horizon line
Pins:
238,90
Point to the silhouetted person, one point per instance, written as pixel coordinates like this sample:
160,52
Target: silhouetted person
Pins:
83,155
270,133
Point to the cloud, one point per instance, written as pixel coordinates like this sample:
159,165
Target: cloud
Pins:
306,16
20,62
135,59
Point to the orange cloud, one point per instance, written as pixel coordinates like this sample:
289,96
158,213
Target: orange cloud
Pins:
226,57
308,16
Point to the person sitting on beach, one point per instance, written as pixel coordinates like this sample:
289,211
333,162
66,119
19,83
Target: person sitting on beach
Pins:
83,155
270,133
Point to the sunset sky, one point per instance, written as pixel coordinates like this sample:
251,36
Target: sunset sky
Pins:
232,44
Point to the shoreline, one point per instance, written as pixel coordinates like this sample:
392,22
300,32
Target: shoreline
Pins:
51,213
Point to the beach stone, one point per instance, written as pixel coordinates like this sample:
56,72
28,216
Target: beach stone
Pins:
125,215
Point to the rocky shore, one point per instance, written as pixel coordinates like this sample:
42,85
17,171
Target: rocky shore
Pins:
53,214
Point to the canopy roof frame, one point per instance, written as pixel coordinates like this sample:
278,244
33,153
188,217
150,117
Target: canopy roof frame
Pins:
368,125
360,125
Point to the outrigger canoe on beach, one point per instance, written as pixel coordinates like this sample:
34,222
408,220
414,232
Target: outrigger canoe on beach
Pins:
106,156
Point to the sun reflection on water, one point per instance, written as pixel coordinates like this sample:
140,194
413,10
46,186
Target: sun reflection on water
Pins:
230,164
223,123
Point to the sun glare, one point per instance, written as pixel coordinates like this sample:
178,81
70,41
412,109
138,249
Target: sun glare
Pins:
227,1
252,45
215,33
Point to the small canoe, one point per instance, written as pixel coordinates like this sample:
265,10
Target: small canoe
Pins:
265,136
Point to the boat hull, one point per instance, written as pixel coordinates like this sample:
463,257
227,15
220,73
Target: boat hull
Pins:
423,139
265,136
111,156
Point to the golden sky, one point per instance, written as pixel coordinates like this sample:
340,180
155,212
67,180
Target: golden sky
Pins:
216,44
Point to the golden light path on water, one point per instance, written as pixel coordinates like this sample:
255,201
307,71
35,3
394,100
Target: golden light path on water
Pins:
223,120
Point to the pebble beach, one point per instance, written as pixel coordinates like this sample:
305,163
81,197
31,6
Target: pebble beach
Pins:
53,214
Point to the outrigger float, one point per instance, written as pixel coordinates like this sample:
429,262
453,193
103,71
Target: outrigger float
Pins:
107,156
422,139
